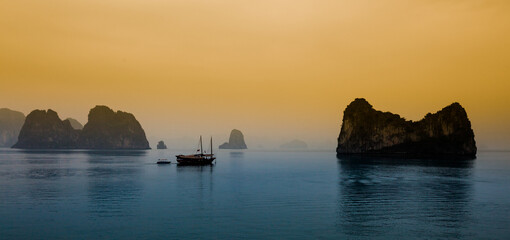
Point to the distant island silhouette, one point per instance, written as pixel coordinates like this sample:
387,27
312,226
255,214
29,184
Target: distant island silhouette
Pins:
294,144
236,141
105,129
75,124
10,126
368,131
364,131
161,145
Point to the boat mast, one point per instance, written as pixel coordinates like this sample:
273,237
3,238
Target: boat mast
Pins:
211,147
201,148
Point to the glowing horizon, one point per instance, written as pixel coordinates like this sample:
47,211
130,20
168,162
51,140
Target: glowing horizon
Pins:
276,70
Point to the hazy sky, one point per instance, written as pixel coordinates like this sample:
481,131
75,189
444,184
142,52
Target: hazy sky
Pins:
277,70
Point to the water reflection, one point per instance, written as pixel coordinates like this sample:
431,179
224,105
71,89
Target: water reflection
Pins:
117,153
455,162
48,173
46,151
195,168
238,155
235,160
114,184
43,171
197,184
388,196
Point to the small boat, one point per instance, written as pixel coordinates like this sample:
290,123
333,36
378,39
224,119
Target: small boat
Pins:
163,161
197,159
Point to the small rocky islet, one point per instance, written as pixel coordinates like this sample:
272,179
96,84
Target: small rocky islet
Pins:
368,131
235,141
161,145
105,129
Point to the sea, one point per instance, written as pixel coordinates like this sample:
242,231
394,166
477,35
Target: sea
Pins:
82,194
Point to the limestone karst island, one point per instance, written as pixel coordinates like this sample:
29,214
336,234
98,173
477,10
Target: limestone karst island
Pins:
368,131
235,141
254,120
105,129
161,145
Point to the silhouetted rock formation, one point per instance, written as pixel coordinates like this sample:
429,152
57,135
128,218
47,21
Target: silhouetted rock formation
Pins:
107,129
45,130
104,130
10,126
367,131
294,144
236,141
75,124
161,145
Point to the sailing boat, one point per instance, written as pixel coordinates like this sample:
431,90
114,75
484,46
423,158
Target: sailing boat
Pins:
197,159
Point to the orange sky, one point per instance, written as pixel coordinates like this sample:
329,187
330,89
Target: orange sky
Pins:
277,70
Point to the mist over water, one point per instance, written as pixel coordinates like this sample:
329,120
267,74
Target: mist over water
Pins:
258,143
251,195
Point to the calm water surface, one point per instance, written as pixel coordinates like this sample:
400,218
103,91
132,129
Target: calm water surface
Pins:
250,195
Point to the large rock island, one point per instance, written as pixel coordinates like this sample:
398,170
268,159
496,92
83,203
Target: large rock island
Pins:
105,129
45,130
10,126
236,141
368,131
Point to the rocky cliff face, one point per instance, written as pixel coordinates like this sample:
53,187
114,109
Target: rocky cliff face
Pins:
107,129
161,145
10,126
368,131
45,130
236,141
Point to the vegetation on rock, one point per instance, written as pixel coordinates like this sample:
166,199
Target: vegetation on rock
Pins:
45,130
105,129
366,130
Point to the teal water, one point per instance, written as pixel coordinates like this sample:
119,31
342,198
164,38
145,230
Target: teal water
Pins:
251,195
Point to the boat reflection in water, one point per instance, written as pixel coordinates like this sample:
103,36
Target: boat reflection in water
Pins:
421,194
195,168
